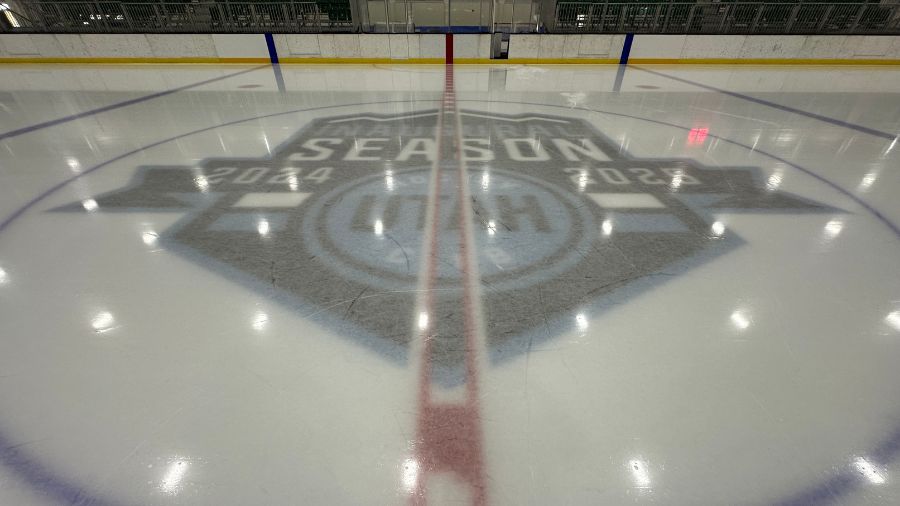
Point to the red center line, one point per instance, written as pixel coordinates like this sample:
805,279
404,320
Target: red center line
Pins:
449,434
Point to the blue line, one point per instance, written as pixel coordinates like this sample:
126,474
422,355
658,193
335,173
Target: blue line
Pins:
626,49
273,53
117,105
826,119
41,478
38,476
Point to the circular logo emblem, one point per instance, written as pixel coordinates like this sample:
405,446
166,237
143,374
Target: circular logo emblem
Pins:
526,230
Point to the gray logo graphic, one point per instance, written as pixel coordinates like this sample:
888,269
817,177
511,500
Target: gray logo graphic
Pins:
565,223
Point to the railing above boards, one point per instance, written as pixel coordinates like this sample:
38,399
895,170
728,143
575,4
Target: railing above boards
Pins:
728,18
179,17
287,16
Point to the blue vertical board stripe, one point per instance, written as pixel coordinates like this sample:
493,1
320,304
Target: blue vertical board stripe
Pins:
626,49
273,53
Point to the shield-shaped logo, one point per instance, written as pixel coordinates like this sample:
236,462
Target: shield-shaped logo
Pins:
566,223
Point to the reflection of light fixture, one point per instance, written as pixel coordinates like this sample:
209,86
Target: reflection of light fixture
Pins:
485,181
89,205
677,179
260,319
890,147
149,237
740,320
202,183
263,227
171,482
410,475
774,181
389,179
581,321
833,228
867,181
892,319
718,228
606,227
785,137
423,320
582,179
697,135
491,227
102,321
639,473
73,163
869,471
379,227
3,276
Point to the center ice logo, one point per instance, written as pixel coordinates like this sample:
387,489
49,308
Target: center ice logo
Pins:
371,229
565,221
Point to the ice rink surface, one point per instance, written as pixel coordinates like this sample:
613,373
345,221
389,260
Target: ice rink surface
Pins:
497,285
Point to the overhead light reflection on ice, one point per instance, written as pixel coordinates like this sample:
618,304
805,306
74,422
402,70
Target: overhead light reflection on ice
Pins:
718,228
607,227
740,320
423,320
202,183
892,319
676,180
3,277
485,181
890,146
785,137
171,482
263,227
582,321
260,319
869,471
491,227
697,136
410,475
833,228
389,179
89,205
582,179
639,473
774,181
379,227
73,164
102,321
867,181
150,237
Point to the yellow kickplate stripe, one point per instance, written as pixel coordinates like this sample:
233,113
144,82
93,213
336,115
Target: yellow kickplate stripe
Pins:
396,61
761,61
559,61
